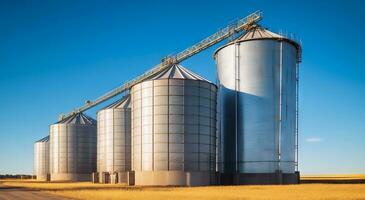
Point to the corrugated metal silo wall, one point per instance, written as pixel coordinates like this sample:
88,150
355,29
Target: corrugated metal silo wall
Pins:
73,151
41,160
257,89
114,140
174,126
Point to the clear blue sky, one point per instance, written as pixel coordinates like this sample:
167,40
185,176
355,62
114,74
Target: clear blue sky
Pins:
54,55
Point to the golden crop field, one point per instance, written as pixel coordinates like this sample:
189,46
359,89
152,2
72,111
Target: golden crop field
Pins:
334,177
108,191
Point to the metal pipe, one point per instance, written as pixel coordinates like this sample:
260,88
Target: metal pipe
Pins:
280,101
297,119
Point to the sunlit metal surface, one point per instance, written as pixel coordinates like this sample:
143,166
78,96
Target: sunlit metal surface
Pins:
257,95
73,148
174,124
114,137
41,158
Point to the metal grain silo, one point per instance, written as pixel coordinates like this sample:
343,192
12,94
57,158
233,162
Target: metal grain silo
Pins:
114,139
41,159
73,148
257,76
174,129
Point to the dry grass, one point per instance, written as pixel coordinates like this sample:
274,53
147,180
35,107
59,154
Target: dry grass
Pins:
334,177
101,191
310,191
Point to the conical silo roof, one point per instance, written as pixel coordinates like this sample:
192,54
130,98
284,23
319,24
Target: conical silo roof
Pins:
78,118
177,71
123,103
258,33
45,139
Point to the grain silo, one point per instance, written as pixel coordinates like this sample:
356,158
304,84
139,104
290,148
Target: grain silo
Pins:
73,148
114,140
41,159
257,76
174,129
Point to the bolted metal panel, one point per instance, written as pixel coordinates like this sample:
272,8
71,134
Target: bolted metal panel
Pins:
257,102
41,158
174,123
114,137
73,148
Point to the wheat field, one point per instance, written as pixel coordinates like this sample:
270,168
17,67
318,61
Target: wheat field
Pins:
334,177
109,192
310,191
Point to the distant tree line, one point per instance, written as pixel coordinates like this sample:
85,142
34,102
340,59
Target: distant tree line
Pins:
16,176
